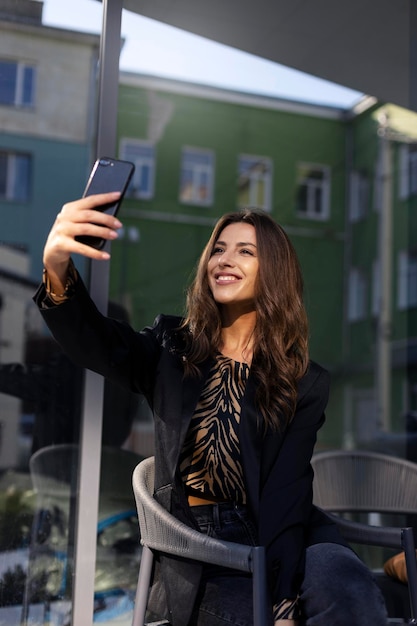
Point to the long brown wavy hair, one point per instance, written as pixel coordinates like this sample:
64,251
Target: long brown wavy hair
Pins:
280,356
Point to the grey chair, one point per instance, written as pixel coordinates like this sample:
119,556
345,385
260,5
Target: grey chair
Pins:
368,482
161,532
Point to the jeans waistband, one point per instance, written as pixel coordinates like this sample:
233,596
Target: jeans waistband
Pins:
219,510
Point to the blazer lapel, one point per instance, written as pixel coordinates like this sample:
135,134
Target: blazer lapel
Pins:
272,442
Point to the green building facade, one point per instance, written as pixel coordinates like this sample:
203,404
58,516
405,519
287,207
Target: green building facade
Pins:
201,152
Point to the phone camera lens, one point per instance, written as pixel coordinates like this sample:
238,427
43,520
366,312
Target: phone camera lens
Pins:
104,162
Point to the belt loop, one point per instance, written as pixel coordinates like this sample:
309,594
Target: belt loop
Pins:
216,515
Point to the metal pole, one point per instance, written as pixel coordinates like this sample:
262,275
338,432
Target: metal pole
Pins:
261,605
91,427
384,331
413,56
411,566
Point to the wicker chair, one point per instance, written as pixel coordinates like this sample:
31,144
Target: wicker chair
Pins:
162,532
368,482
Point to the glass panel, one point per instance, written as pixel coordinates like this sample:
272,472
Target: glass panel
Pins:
39,409
196,176
254,182
45,155
347,214
3,174
8,80
360,275
312,191
28,86
15,175
142,154
22,177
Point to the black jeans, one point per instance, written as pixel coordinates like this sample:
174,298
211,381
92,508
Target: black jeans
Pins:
338,589
225,595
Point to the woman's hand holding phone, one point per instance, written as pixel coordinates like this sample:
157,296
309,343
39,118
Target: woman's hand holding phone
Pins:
84,226
79,218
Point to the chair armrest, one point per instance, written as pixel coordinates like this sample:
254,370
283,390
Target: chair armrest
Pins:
356,532
162,531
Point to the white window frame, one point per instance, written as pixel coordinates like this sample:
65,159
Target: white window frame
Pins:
357,297
11,176
21,68
313,185
359,196
406,280
127,150
199,171
259,174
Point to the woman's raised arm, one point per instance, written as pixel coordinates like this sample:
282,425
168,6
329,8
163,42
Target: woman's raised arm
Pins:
76,218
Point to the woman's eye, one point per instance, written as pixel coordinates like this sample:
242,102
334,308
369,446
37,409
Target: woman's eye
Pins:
217,250
245,251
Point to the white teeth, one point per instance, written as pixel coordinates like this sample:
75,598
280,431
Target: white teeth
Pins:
226,278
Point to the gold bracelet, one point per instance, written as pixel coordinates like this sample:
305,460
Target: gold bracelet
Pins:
68,285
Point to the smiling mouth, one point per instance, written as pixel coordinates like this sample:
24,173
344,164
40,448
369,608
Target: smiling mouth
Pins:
226,278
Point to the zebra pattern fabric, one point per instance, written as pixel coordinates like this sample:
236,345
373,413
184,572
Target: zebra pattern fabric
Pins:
210,463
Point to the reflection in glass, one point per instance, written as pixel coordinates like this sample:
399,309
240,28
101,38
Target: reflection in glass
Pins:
40,409
343,185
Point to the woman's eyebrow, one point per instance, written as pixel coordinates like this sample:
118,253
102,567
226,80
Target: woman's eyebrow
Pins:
240,244
246,243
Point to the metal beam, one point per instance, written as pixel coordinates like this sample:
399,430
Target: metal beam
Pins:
367,46
91,428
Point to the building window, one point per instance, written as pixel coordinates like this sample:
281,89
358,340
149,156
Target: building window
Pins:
359,196
142,154
17,83
407,170
15,171
254,182
357,295
197,176
313,191
407,280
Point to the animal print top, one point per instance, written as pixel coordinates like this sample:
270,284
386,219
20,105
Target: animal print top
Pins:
210,462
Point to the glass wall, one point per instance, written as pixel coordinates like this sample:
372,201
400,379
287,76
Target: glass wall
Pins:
342,181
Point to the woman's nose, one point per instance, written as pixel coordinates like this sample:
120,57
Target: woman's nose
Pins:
225,259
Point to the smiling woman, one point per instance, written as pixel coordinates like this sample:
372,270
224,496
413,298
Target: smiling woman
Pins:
237,405
232,272
248,281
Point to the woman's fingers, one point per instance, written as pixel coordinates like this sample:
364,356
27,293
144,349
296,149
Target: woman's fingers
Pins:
88,209
78,218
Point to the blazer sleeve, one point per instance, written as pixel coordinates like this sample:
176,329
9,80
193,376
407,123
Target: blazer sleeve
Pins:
106,346
286,498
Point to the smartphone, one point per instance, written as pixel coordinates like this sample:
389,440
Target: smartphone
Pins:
107,175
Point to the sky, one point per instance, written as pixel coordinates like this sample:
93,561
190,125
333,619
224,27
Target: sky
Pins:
161,50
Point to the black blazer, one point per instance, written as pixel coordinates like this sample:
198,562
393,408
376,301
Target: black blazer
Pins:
277,470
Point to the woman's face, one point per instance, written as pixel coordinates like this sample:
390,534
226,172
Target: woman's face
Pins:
233,266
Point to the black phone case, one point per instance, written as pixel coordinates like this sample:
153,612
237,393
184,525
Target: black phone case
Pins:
107,175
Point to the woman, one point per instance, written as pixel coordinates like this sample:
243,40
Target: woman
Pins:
237,405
